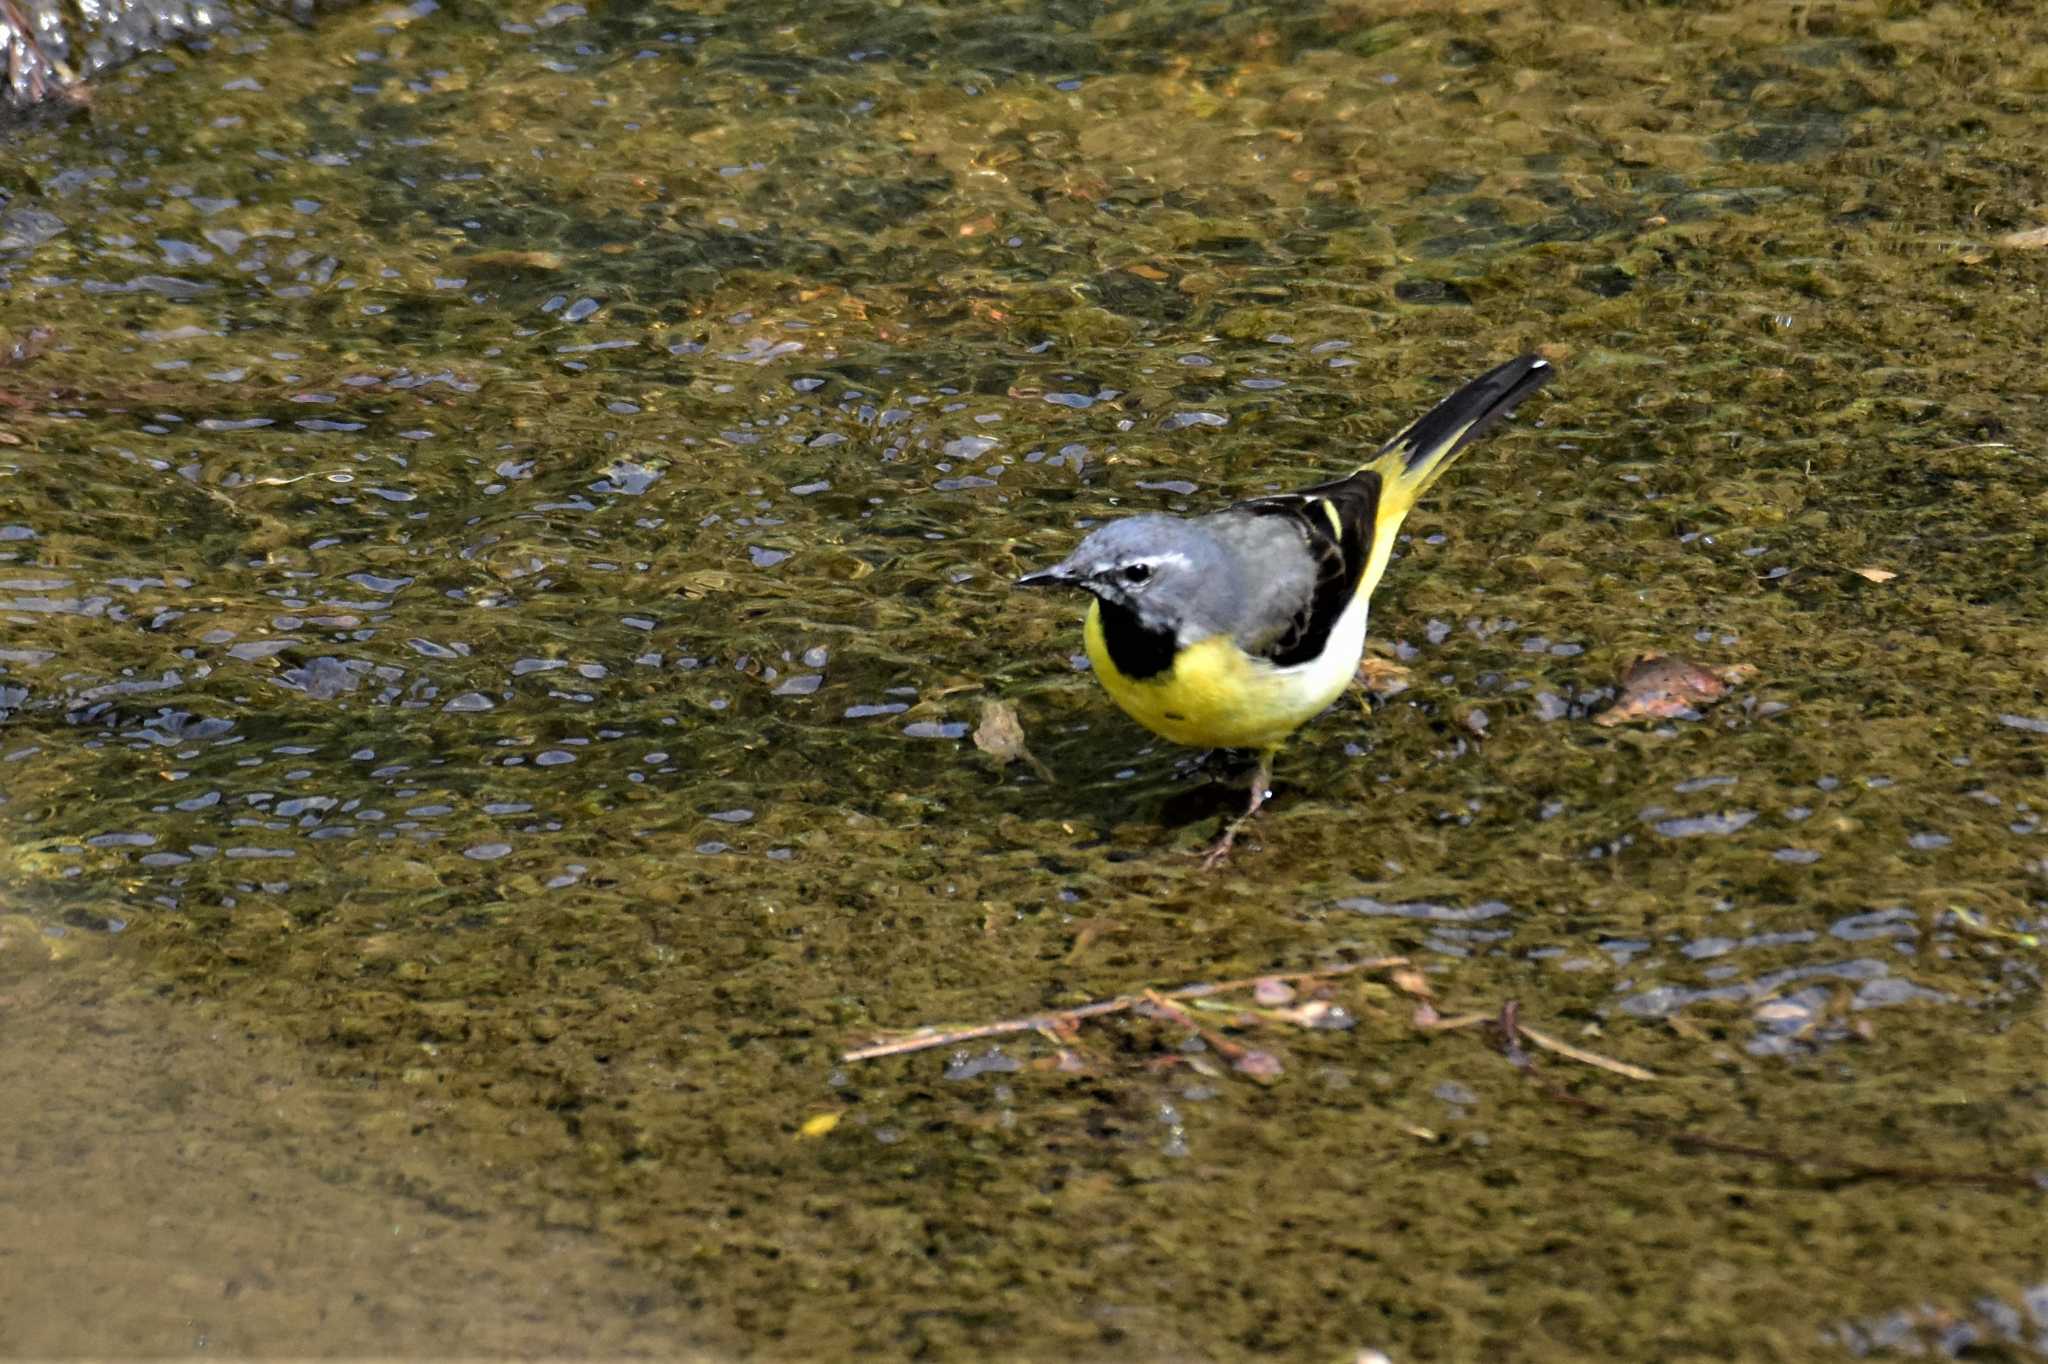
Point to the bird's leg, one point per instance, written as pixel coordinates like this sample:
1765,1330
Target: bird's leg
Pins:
1261,781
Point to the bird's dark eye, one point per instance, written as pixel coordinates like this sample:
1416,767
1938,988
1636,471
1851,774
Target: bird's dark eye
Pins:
1137,573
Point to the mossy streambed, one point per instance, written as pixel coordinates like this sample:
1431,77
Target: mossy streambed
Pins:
507,517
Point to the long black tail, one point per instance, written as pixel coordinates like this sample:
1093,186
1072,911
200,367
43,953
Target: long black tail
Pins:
1417,457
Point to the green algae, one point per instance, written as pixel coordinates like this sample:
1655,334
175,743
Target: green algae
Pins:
512,558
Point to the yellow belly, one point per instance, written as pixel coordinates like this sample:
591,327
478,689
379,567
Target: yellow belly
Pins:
1218,696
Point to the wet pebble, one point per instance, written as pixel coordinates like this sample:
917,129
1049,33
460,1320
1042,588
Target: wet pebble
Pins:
1898,922
1705,826
1894,990
964,1065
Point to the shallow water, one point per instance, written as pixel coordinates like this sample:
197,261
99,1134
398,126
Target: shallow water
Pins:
505,536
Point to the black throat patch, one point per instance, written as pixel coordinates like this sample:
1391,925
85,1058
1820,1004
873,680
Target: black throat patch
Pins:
1138,650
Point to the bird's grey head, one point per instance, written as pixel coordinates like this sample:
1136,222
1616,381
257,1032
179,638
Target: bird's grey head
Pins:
1170,573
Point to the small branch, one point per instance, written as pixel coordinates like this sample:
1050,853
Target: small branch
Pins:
1580,1054
923,1039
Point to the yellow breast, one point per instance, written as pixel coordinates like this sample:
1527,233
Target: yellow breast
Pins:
1217,696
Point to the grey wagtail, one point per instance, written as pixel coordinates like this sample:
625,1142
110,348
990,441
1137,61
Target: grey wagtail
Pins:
1232,630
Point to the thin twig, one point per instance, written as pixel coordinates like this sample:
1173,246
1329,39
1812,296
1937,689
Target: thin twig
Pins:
923,1039
1580,1054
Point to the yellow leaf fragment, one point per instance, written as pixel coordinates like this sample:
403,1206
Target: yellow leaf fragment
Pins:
1876,575
818,1126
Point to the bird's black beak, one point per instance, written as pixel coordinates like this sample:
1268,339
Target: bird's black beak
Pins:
1059,575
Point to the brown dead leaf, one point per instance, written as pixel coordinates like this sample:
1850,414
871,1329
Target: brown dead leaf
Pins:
1001,735
1381,677
1876,575
1663,687
1146,271
2032,239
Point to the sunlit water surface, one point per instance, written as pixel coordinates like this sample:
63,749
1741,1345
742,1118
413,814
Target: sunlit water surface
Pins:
504,539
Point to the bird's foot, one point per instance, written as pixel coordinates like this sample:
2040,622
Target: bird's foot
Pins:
1217,853
1219,850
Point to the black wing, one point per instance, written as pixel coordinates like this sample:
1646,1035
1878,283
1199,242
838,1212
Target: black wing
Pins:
1336,519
